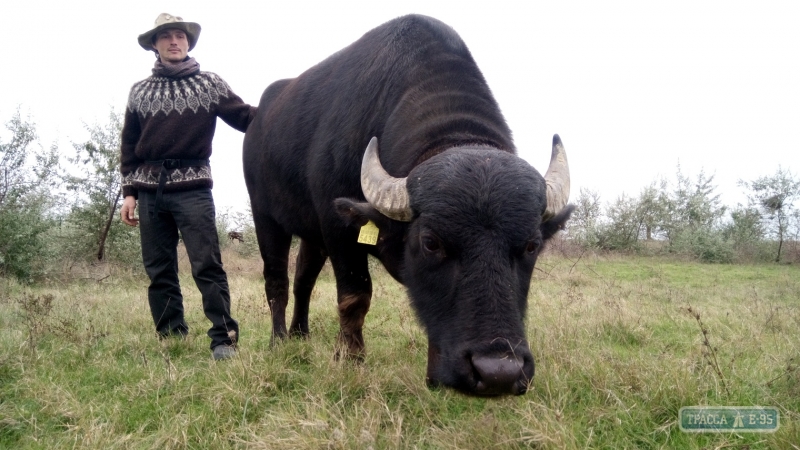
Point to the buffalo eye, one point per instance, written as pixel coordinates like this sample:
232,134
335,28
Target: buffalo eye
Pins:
431,244
533,246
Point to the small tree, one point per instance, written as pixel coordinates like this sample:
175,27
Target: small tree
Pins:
26,199
19,176
97,188
583,224
691,207
624,225
651,208
745,226
774,196
745,232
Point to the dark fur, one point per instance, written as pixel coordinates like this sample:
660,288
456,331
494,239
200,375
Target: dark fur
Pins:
467,255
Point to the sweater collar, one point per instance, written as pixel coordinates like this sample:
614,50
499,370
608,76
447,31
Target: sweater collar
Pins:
185,68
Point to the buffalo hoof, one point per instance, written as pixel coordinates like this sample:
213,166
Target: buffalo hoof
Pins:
299,334
350,347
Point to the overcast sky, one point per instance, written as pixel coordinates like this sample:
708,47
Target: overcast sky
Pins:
634,88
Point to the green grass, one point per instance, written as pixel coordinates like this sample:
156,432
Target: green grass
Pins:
617,350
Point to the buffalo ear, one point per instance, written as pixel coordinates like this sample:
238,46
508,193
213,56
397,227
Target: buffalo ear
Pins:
359,213
556,223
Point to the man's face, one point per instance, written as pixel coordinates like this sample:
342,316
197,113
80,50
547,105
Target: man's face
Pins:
172,45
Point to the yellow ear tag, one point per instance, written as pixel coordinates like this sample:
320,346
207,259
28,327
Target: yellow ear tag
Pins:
368,234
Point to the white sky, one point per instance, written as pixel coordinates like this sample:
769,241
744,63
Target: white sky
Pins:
634,88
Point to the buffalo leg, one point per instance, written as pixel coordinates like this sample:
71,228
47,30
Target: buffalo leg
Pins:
310,260
274,245
354,293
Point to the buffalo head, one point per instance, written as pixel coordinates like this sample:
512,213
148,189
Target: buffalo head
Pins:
462,232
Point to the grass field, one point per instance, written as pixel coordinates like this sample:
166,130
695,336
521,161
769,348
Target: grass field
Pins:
621,344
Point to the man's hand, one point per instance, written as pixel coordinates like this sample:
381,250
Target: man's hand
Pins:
128,210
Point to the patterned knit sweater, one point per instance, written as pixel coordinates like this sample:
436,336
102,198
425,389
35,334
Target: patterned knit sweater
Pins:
175,118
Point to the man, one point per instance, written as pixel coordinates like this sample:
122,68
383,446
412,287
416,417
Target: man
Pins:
166,143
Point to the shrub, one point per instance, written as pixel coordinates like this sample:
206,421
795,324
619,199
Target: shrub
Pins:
705,245
23,248
621,232
26,200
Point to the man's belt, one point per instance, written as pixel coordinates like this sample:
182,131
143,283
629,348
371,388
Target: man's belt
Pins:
169,164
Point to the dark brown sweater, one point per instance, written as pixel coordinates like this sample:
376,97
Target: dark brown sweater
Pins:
175,118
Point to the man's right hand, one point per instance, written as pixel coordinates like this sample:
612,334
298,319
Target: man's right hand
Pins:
128,211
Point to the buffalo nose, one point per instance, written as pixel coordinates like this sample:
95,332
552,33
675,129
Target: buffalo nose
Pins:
500,375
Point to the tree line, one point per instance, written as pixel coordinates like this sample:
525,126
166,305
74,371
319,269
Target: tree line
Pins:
61,208
686,217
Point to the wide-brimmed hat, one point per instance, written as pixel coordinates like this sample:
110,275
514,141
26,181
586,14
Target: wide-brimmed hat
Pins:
164,21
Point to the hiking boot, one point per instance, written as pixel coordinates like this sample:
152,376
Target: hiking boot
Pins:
177,333
223,351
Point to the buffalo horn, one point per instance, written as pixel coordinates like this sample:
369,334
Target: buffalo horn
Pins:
557,180
384,192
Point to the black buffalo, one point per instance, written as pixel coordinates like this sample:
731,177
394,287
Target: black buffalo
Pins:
462,219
